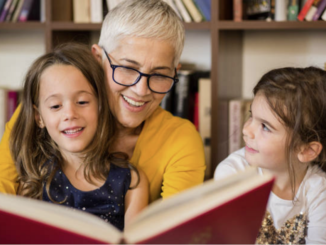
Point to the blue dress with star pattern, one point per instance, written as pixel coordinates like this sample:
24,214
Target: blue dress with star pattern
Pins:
106,202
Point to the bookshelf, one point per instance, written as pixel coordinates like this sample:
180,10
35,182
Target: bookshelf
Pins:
227,42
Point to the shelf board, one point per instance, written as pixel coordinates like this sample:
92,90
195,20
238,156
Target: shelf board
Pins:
206,25
30,25
71,26
273,25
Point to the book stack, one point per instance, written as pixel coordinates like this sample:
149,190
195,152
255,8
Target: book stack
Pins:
22,10
279,10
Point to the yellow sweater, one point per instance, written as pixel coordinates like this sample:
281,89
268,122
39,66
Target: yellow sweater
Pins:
169,150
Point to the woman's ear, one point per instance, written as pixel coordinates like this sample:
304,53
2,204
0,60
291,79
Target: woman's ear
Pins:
179,67
310,152
38,118
97,52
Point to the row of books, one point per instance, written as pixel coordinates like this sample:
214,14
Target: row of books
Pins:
22,10
9,100
92,11
279,10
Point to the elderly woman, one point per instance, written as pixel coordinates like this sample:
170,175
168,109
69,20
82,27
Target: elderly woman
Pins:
140,46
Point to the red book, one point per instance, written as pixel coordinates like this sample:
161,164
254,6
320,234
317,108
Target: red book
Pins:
230,210
12,103
237,10
305,9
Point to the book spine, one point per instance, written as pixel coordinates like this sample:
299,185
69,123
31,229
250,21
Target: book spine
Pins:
81,11
182,91
17,11
312,10
26,8
237,10
96,11
305,9
234,125
204,8
183,11
293,10
11,10
320,9
204,87
167,102
193,11
5,10
11,103
280,10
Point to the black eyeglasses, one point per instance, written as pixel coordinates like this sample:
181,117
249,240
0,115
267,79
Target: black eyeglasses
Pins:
127,76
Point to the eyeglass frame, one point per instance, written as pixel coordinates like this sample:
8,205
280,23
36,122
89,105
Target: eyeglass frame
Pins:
175,78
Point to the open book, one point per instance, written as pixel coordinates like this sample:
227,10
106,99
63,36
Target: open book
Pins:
225,211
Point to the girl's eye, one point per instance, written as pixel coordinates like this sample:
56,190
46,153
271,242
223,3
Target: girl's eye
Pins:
54,107
265,128
83,102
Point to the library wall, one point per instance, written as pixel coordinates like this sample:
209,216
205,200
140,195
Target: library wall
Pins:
17,52
266,50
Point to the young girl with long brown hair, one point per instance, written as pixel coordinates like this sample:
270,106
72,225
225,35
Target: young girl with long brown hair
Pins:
62,137
286,136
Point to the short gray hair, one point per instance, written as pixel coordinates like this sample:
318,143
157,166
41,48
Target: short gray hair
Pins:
146,19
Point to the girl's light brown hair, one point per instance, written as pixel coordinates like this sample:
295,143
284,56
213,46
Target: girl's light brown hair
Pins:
33,150
298,97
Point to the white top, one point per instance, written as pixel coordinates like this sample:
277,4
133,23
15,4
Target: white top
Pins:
311,197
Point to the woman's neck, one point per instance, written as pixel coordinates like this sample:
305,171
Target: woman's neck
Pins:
125,132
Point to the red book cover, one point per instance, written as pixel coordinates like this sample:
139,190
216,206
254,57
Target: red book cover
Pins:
225,211
305,9
11,103
237,10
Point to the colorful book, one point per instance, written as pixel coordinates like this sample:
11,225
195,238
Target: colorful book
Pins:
230,210
2,4
312,10
5,10
320,9
293,10
204,7
323,17
280,10
17,11
304,10
193,11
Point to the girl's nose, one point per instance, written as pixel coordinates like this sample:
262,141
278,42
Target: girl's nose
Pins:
70,112
247,129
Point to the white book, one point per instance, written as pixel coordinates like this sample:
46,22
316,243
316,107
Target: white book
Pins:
43,15
96,11
311,13
281,7
183,11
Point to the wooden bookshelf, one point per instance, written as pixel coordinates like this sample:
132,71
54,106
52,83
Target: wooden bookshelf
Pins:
226,37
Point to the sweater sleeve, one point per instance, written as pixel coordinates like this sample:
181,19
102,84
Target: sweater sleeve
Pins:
186,166
8,172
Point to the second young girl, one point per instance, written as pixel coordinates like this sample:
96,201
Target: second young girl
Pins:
286,136
61,140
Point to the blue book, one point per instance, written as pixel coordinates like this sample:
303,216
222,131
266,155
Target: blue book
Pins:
204,9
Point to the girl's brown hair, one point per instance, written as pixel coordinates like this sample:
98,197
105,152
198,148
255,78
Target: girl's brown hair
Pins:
298,97
32,147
